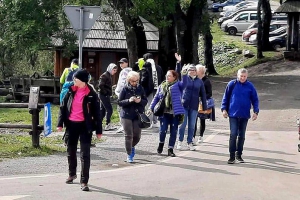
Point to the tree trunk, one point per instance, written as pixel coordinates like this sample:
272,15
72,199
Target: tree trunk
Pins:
207,39
259,31
134,30
167,46
188,30
266,8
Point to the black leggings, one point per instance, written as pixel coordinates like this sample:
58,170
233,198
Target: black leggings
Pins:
77,131
105,108
202,127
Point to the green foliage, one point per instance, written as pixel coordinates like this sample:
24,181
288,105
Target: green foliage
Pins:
13,146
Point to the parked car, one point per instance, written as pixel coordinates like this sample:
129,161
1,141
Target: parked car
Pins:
278,41
239,23
222,19
252,29
242,4
218,7
277,32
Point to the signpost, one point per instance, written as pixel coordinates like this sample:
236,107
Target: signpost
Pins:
47,119
82,18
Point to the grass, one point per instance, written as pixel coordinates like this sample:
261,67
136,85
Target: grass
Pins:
14,146
22,116
236,42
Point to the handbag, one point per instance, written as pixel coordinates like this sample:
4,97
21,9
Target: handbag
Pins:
144,121
159,108
210,104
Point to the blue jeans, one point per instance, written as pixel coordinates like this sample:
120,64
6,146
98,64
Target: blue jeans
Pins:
190,119
165,121
237,135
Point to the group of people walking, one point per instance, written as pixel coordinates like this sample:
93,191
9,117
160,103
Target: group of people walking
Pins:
185,93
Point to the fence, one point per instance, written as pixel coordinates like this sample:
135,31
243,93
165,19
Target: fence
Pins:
34,110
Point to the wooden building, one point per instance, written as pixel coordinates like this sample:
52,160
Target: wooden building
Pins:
104,44
292,9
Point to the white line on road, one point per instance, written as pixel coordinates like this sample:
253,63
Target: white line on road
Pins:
13,197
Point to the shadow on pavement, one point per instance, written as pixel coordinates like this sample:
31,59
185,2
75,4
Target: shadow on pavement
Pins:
196,168
94,188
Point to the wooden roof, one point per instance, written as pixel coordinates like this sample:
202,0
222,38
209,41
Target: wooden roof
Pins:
108,32
289,6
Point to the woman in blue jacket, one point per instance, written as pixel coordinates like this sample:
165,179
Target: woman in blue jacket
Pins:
193,91
132,99
171,89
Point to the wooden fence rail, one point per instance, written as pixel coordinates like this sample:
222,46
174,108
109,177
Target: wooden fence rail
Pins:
34,109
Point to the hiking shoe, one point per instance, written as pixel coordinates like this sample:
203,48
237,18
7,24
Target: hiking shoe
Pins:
132,152
155,125
200,140
120,130
171,153
129,159
239,159
70,179
231,160
191,147
160,147
84,187
179,145
109,127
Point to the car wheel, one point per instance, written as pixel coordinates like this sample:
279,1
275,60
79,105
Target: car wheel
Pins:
220,9
232,31
276,46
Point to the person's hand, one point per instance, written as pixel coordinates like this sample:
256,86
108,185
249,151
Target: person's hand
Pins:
178,57
254,116
225,114
99,135
137,100
131,99
59,129
184,69
148,112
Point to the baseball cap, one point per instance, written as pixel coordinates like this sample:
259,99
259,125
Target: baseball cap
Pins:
123,60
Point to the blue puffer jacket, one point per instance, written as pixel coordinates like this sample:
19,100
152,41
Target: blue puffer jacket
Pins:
242,96
194,89
128,110
176,93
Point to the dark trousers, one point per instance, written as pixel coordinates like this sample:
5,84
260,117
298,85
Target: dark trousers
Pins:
132,133
202,127
165,121
77,131
105,108
237,135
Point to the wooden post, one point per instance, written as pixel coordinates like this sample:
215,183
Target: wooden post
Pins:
34,111
35,134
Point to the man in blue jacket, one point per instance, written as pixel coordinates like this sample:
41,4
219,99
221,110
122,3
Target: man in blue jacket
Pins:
239,95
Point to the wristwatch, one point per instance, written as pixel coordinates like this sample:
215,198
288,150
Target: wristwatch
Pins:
256,113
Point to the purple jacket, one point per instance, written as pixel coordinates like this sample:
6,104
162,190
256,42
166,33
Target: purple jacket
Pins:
176,93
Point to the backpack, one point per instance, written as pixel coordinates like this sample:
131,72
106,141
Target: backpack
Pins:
71,74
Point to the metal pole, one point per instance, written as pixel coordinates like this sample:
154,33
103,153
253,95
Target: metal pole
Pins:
80,36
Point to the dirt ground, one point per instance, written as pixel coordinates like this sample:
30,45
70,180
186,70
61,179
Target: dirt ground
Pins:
277,83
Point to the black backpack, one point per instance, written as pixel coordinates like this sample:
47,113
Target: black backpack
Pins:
71,74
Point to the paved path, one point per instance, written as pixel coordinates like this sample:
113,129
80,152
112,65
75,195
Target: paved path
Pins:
271,171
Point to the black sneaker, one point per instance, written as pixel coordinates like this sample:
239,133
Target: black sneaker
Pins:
84,187
240,159
231,160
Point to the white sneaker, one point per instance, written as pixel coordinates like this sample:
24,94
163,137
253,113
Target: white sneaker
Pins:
155,125
193,142
179,145
200,140
109,127
191,147
120,130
